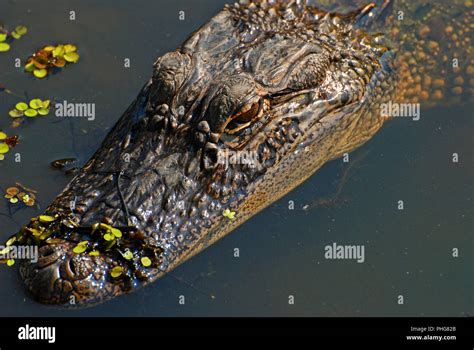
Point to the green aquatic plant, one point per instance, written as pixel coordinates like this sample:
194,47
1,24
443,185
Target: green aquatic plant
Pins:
19,194
229,214
32,109
7,143
43,61
7,37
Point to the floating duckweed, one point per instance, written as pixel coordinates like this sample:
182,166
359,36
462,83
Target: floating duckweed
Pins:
116,232
4,148
10,262
15,113
31,113
19,32
11,241
81,247
42,62
5,36
145,261
71,57
46,219
21,106
43,111
32,109
116,271
40,73
108,237
14,195
94,253
36,103
3,136
4,47
229,214
128,255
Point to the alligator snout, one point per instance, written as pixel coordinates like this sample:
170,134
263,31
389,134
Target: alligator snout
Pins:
59,276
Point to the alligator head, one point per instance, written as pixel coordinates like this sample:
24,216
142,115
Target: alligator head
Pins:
245,110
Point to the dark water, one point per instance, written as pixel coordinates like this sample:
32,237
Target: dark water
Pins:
407,252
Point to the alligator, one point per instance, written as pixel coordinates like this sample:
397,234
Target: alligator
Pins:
247,109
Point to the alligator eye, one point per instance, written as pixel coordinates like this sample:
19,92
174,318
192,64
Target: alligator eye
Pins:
244,117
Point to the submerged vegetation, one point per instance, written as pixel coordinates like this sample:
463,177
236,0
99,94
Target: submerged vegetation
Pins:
50,58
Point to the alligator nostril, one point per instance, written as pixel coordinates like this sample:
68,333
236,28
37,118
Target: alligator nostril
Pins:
48,255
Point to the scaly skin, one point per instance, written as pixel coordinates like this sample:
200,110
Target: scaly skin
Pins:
302,87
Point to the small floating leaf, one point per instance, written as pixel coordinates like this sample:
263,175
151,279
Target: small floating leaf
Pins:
69,48
43,111
4,148
58,51
12,191
72,57
30,66
10,262
30,202
22,30
4,47
31,113
40,73
108,237
21,106
46,219
11,241
94,253
45,235
15,113
36,103
15,35
13,200
128,255
3,37
116,271
79,249
46,103
105,226
48,48
3,136
146,261
116,232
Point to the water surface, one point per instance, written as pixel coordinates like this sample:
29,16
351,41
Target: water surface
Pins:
281,250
